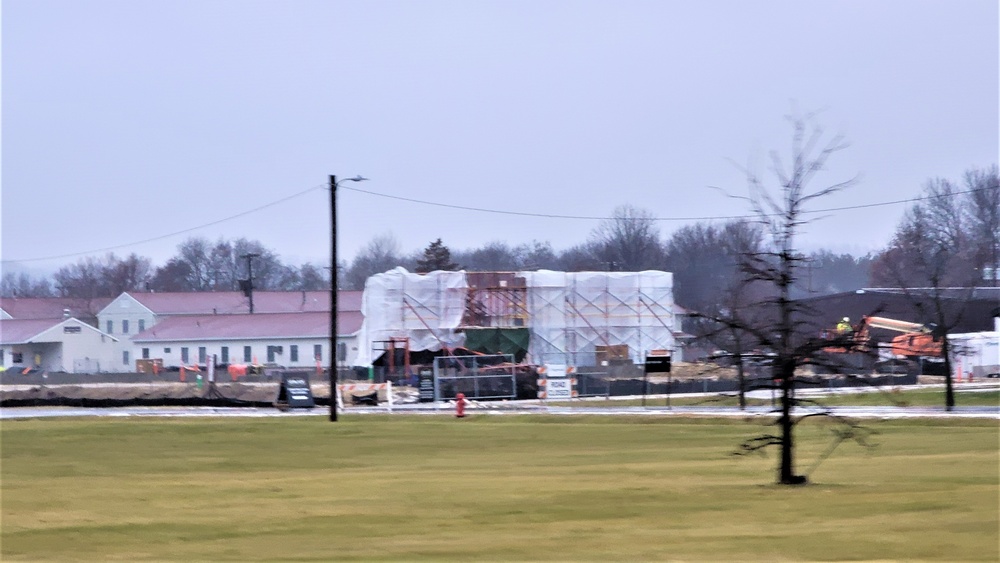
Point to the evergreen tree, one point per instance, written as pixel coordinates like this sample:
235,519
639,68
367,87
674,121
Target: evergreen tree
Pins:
436,257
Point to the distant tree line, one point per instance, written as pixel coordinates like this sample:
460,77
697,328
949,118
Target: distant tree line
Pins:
951,237
199,265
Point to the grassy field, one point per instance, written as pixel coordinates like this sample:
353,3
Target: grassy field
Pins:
488,488
886,398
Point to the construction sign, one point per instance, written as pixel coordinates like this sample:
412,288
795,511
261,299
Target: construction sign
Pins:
295,391
556,383
657,364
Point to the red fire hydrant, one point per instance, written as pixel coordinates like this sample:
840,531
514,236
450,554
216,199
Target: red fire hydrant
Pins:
460,405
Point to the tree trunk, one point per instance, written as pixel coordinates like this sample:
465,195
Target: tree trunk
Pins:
949,390
786,471
743,385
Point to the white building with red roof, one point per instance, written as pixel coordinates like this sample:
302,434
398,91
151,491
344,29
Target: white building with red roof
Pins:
59,345
288,328
287,339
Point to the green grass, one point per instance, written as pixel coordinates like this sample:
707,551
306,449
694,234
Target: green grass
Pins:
886,397
488,488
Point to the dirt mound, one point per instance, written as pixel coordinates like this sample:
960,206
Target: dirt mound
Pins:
142,394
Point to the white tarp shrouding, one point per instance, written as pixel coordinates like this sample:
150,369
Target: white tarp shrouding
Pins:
426,308
571,313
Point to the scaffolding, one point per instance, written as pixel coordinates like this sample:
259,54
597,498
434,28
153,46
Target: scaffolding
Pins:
580,318
496,300
425,309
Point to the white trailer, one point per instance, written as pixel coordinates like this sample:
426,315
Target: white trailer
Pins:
976,354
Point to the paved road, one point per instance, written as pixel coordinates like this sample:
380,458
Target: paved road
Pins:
509,409
656,408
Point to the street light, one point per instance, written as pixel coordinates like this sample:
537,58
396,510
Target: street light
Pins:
333,291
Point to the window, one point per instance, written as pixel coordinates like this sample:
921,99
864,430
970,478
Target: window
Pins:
247,354
111,327
318,352
1,356
166,350
125,358
125,326
272,351
225,354
202,354
184,355
145,353
293,353
341,352
142,325
17,357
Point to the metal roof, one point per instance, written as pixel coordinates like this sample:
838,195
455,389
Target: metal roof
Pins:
256,326
19,331
52,307
22,331
234,302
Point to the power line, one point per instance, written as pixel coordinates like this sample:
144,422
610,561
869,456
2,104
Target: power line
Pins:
468,208
173,234
596,218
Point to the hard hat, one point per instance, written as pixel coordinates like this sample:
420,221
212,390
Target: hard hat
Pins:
847,320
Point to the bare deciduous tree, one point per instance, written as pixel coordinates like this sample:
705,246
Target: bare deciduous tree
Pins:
629,241
24,285
379,255
776,323
982,210
108,276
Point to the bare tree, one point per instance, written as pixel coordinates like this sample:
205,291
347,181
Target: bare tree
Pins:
131,273
982,213
24,285
580,258
537,256
776,323
705,261
379,255
629,241
195,252
931,274
311,278
496,256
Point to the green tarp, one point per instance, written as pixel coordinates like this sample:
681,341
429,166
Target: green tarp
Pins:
498,341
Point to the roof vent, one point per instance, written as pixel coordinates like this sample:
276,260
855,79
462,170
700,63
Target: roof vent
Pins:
66,314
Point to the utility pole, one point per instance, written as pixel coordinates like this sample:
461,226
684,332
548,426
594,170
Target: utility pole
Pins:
333,298
248,288
333,291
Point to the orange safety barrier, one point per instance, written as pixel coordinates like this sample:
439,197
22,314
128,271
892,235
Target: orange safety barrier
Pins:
237,370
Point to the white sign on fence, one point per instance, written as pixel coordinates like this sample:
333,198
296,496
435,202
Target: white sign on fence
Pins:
556,383
556,389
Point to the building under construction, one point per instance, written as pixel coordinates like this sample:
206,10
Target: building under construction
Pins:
540,317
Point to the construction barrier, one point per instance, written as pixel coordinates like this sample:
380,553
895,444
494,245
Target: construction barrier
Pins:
557,388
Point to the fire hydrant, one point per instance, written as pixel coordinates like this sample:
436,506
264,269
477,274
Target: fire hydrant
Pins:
460,405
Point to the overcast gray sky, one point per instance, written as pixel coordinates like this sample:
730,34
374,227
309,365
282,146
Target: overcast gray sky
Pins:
129,120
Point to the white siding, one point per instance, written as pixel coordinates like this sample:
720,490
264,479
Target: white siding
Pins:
58,350
125,308
258,349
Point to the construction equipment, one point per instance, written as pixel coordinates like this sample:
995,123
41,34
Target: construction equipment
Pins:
917,339
856,349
